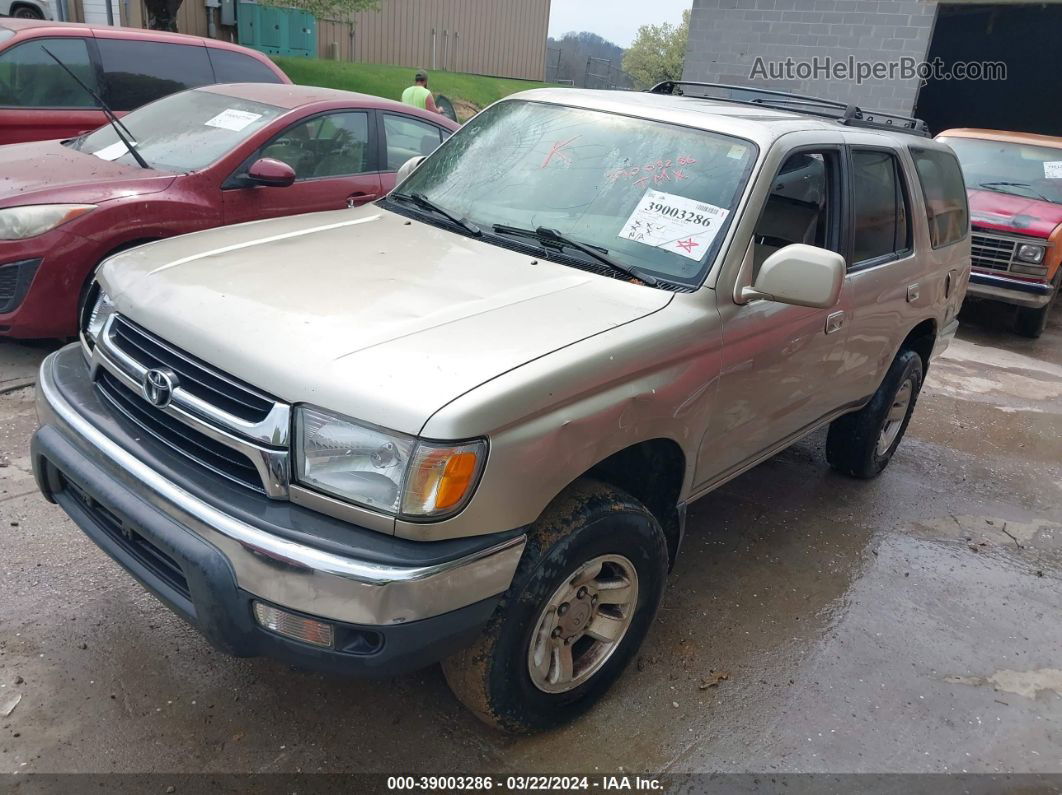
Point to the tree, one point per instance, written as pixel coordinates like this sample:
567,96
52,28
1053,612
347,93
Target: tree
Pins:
657,52
566,61
340,10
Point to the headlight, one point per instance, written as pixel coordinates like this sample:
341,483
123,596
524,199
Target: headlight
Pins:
1030,253
19,223
384,470
96,318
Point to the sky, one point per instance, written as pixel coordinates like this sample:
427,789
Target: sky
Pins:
615,20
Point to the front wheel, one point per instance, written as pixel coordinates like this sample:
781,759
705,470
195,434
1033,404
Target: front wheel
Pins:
861,444
27,12
582,600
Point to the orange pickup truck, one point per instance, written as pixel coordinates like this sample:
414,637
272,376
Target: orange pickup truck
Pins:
1014,186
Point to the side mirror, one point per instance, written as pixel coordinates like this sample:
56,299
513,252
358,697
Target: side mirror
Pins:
270,173
799,274
408,168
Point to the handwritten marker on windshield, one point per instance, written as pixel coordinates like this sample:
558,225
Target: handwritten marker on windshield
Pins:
558,150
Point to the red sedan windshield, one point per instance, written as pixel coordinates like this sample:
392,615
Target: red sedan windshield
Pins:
182,132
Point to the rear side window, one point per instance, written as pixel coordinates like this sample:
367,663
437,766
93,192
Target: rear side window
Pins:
29,78
235,67
407,137
138,72
945,195
880,201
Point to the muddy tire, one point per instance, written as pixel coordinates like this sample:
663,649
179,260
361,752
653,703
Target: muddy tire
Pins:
861,444
594,568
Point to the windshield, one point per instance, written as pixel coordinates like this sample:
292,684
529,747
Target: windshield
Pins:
654,196
182,132
1034,172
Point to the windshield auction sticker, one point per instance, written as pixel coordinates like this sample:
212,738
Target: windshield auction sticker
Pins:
112,152
1053,169
232,119
674,223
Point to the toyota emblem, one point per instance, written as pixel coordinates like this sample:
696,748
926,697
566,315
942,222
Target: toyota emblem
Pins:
158,386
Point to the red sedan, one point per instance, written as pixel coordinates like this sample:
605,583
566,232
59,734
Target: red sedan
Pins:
219,154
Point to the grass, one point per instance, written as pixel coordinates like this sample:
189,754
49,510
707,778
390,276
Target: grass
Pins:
468,92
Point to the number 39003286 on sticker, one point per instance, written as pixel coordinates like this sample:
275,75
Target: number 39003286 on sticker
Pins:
675,223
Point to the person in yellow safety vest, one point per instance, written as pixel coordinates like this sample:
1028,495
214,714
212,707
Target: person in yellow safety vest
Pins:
418,94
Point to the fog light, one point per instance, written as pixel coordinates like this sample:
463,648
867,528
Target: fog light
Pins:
292,626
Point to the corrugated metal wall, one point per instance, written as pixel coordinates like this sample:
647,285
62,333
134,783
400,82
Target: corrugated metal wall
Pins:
506,38
495,37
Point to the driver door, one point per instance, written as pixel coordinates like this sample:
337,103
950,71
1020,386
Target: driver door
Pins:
780,361
334,159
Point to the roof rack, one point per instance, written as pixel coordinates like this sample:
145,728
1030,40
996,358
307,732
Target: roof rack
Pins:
842,112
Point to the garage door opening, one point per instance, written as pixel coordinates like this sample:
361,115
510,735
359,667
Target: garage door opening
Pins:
1025,38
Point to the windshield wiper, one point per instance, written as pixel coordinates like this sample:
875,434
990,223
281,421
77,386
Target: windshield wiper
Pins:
1026,185
547,236
117,125
423,202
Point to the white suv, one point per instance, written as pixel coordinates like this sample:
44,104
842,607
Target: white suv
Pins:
27,9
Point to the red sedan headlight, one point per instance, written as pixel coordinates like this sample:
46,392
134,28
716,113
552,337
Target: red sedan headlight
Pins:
19,223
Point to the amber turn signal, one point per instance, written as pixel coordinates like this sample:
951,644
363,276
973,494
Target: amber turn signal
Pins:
441,478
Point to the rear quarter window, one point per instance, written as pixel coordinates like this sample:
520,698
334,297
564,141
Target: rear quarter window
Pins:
944,191
235,67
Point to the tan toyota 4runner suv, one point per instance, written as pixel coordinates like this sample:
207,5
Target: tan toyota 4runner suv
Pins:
464,423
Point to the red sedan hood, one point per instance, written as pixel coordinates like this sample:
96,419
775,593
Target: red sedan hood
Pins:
1015,214
48,172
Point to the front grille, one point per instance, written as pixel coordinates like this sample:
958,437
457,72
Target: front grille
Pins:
991,252
187,441
194,376
143,551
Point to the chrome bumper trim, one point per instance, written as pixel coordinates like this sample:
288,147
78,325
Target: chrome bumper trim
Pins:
1009,291
284,572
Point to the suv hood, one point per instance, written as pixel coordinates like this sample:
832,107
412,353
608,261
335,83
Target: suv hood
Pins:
44,172
364,312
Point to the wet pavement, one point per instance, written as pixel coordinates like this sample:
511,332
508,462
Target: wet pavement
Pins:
813,623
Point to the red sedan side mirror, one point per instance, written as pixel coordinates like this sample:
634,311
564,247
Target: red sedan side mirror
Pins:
270,173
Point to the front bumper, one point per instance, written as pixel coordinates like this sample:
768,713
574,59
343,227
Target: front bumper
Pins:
51,269
990,287
208,550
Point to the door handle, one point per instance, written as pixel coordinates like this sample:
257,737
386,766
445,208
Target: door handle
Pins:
834,322
912,293
354,199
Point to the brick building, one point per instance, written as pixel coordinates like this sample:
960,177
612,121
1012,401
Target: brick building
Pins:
728,36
